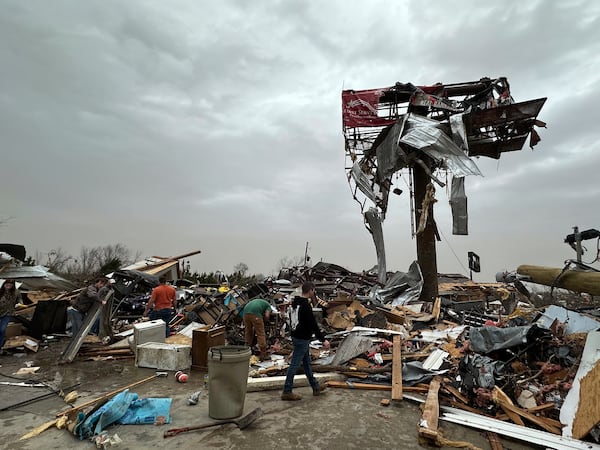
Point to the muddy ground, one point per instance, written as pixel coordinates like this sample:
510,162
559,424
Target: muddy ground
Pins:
338,419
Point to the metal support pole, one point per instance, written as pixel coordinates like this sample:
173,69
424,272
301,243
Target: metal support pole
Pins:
578,248
306,254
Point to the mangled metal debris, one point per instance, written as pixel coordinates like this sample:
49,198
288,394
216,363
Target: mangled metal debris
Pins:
495,354
424,133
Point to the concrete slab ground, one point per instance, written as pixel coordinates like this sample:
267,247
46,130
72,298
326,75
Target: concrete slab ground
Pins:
339,419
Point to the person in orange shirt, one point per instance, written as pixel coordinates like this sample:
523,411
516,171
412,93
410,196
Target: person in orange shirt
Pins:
164,297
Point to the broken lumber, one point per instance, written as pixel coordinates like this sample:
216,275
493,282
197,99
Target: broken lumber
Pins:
39,429
428,425
500,398
277,382
364,386
373,387
494,440
331,368
510,409
397,369
455,392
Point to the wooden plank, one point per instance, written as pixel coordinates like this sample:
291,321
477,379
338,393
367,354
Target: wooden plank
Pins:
495,442
456,393
505,403
541,407
364,386
437,307
428,425
397,368
511,410
22,341
373,387
468,408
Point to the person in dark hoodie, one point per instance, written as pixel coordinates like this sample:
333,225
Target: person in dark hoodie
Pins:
303,327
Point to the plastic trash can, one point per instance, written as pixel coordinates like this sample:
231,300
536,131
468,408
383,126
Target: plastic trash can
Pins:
228,367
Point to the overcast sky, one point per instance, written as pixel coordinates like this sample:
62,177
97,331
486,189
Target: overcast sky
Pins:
216,126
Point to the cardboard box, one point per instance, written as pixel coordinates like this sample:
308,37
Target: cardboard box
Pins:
13,329
22,341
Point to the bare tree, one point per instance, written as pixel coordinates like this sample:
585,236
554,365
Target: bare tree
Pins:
58,260
241,268
88,261
287,261
92,261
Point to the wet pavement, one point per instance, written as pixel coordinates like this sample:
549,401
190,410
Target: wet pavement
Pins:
338,419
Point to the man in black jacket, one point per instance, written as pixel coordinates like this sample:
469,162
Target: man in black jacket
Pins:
303,327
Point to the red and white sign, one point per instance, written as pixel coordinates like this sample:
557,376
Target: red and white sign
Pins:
359,109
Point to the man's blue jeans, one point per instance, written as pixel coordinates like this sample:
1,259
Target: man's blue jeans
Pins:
3,324
301,355
165,315
76,319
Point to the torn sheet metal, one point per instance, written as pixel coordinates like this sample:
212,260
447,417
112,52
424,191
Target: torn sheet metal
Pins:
425,134
402,287
589,358
390,157
459,132
352,346
413,373
487,339
441,336
504,128
526,434
575,322
374,219
477,118
458,204
37,277
365,182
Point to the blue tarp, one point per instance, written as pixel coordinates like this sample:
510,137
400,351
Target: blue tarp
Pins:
123,408
147,411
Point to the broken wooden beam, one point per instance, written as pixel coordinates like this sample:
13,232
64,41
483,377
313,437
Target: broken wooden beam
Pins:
512,410
494,439
397,368
507,405
373,387
456,393
428,425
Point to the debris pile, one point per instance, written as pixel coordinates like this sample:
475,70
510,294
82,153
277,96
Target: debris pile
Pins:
481,354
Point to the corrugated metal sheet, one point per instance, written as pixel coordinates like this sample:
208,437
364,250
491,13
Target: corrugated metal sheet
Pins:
36,277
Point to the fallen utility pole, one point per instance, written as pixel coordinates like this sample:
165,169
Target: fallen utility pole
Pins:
573,280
